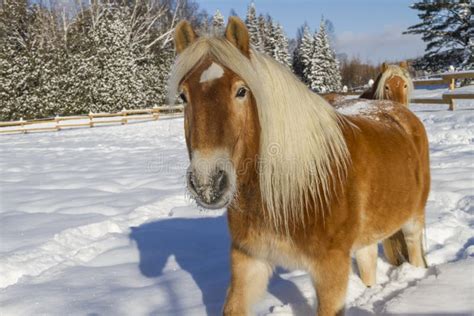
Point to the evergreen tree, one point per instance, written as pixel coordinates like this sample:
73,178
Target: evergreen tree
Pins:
315,72
302,53
105,59
448,29
275,42
323,74
218,23
264,33
252,25
280,52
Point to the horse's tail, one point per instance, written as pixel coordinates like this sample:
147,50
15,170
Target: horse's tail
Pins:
395,249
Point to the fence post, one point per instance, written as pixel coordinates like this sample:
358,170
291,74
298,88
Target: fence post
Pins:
156,112
22,123
124,114
56,119
452,85
91,116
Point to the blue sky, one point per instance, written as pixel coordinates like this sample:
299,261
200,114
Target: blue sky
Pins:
370,29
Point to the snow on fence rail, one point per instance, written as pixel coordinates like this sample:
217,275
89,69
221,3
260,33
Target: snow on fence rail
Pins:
90,120
453,93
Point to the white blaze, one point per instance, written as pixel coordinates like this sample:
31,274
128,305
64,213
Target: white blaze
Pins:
213,72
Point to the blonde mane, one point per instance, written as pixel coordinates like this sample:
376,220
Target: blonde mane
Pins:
302,149
393,70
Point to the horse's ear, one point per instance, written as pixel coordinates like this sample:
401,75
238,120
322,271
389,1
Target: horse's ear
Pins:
404,64
236,32
184,36
384,67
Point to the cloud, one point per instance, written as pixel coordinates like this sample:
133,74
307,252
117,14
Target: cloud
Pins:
387,45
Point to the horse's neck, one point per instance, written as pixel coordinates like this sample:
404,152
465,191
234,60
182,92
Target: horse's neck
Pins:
368,94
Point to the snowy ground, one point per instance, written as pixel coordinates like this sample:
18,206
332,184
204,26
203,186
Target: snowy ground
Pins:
96,222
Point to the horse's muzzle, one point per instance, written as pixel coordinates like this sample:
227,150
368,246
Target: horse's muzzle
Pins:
211,191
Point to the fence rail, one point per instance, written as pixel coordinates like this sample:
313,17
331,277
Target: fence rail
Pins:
89,120
453,93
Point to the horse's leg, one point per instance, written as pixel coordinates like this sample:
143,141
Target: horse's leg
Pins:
367,263
249,281
330,276
413,232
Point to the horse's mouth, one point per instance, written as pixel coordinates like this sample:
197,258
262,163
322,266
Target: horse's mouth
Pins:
212,204
221,203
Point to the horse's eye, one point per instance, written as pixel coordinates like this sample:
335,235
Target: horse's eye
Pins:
182,96
405,86
386,87
242,92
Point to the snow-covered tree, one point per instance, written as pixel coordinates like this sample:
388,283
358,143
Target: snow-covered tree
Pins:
252,25
448,30
281,53
218,23
264,31
105,58
316,70
275,43
323,74
303,53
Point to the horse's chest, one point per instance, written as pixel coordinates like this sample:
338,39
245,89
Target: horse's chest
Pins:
275,250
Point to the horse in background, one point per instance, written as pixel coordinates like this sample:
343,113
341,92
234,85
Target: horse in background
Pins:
393,83
305,185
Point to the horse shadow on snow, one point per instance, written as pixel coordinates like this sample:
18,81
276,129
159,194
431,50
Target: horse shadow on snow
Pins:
200,246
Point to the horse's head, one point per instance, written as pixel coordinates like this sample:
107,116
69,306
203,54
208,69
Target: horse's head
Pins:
220,118
395,83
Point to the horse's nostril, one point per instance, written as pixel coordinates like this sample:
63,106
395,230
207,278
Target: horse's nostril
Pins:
221,181
191,181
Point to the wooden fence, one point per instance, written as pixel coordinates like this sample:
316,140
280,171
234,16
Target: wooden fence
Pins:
92,119
453,93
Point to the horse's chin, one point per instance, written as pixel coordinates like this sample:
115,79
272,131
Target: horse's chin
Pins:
223,202
220,204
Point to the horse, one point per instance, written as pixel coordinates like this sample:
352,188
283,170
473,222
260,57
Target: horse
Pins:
305,186
393,83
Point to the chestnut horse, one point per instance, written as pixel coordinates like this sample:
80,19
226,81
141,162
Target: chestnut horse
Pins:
305,186
393,83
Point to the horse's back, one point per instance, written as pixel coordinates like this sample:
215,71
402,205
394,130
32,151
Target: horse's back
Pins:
389,175
386,115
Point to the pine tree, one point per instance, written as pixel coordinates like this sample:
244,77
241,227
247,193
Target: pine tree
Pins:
317,66
281,46
447,28
323,73
218,23
302,53
252,25
264,33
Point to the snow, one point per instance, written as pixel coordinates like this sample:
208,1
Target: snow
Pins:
428,93
468,90
96,221
366,107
